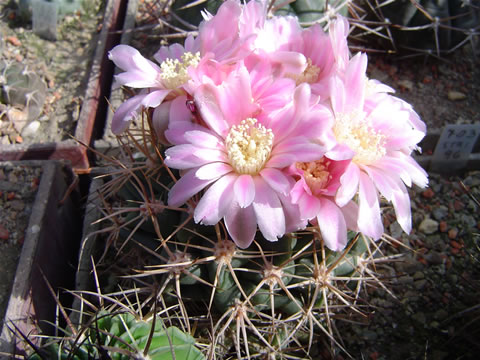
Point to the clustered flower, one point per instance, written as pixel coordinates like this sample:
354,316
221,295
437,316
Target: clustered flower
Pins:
276,126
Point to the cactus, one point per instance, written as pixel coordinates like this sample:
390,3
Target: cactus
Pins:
423,26
22,88
64,7
123,335
284,294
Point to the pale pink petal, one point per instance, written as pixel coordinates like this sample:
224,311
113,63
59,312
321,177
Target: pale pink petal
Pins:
293,220
340,152
213,170
125,113
241,224
277,180
355,80
183,157
128,58
204,139
401,203
187,186
211,155
350,213
309,206
292,62
332,225
244,190
369,219
235,97
349,187
281,160
268,211
176,131
216,201
179,110
298,189
206,102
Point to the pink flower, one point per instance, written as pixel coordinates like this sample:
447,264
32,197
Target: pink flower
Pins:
239,155
314,193
160,83
229,35
378,132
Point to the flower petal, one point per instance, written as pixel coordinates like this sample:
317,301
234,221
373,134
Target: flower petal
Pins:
277,180
186,187
213,170
216,201
349,187
332,225
369,219
241,224
244,190
268,211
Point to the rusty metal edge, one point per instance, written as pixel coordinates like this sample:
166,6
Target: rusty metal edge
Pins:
31,306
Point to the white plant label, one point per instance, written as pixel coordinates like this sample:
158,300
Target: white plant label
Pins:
455,146
44,19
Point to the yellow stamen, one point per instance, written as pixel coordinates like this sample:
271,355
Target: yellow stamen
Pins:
316,173
357,133
249,145
174,72
309,75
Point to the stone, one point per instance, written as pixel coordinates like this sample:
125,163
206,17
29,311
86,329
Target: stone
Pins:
456,95
406,84
428,226
440,213
30,129
4,234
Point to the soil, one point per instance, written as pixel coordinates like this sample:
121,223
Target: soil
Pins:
62,65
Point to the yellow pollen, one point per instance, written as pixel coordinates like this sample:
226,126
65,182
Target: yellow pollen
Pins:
316,174
357,133
309,75
249,145
174,72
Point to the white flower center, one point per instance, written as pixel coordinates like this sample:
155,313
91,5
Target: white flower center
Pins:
316,173
358,134
309,75
249,146
174,72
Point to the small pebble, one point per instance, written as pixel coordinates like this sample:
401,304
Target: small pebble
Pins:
4,234
31,129
428,226
456,95
443,226
13,40
406,84
452,233
428,194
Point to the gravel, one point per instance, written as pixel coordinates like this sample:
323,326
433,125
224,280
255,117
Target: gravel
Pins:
435,313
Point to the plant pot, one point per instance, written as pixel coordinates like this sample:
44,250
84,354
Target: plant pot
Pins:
47,260
94,104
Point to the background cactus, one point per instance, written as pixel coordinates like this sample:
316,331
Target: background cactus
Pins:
22,88
64,7
421,26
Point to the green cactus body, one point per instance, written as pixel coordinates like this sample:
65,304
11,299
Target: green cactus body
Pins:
22,88
428,26
124,336
267,285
